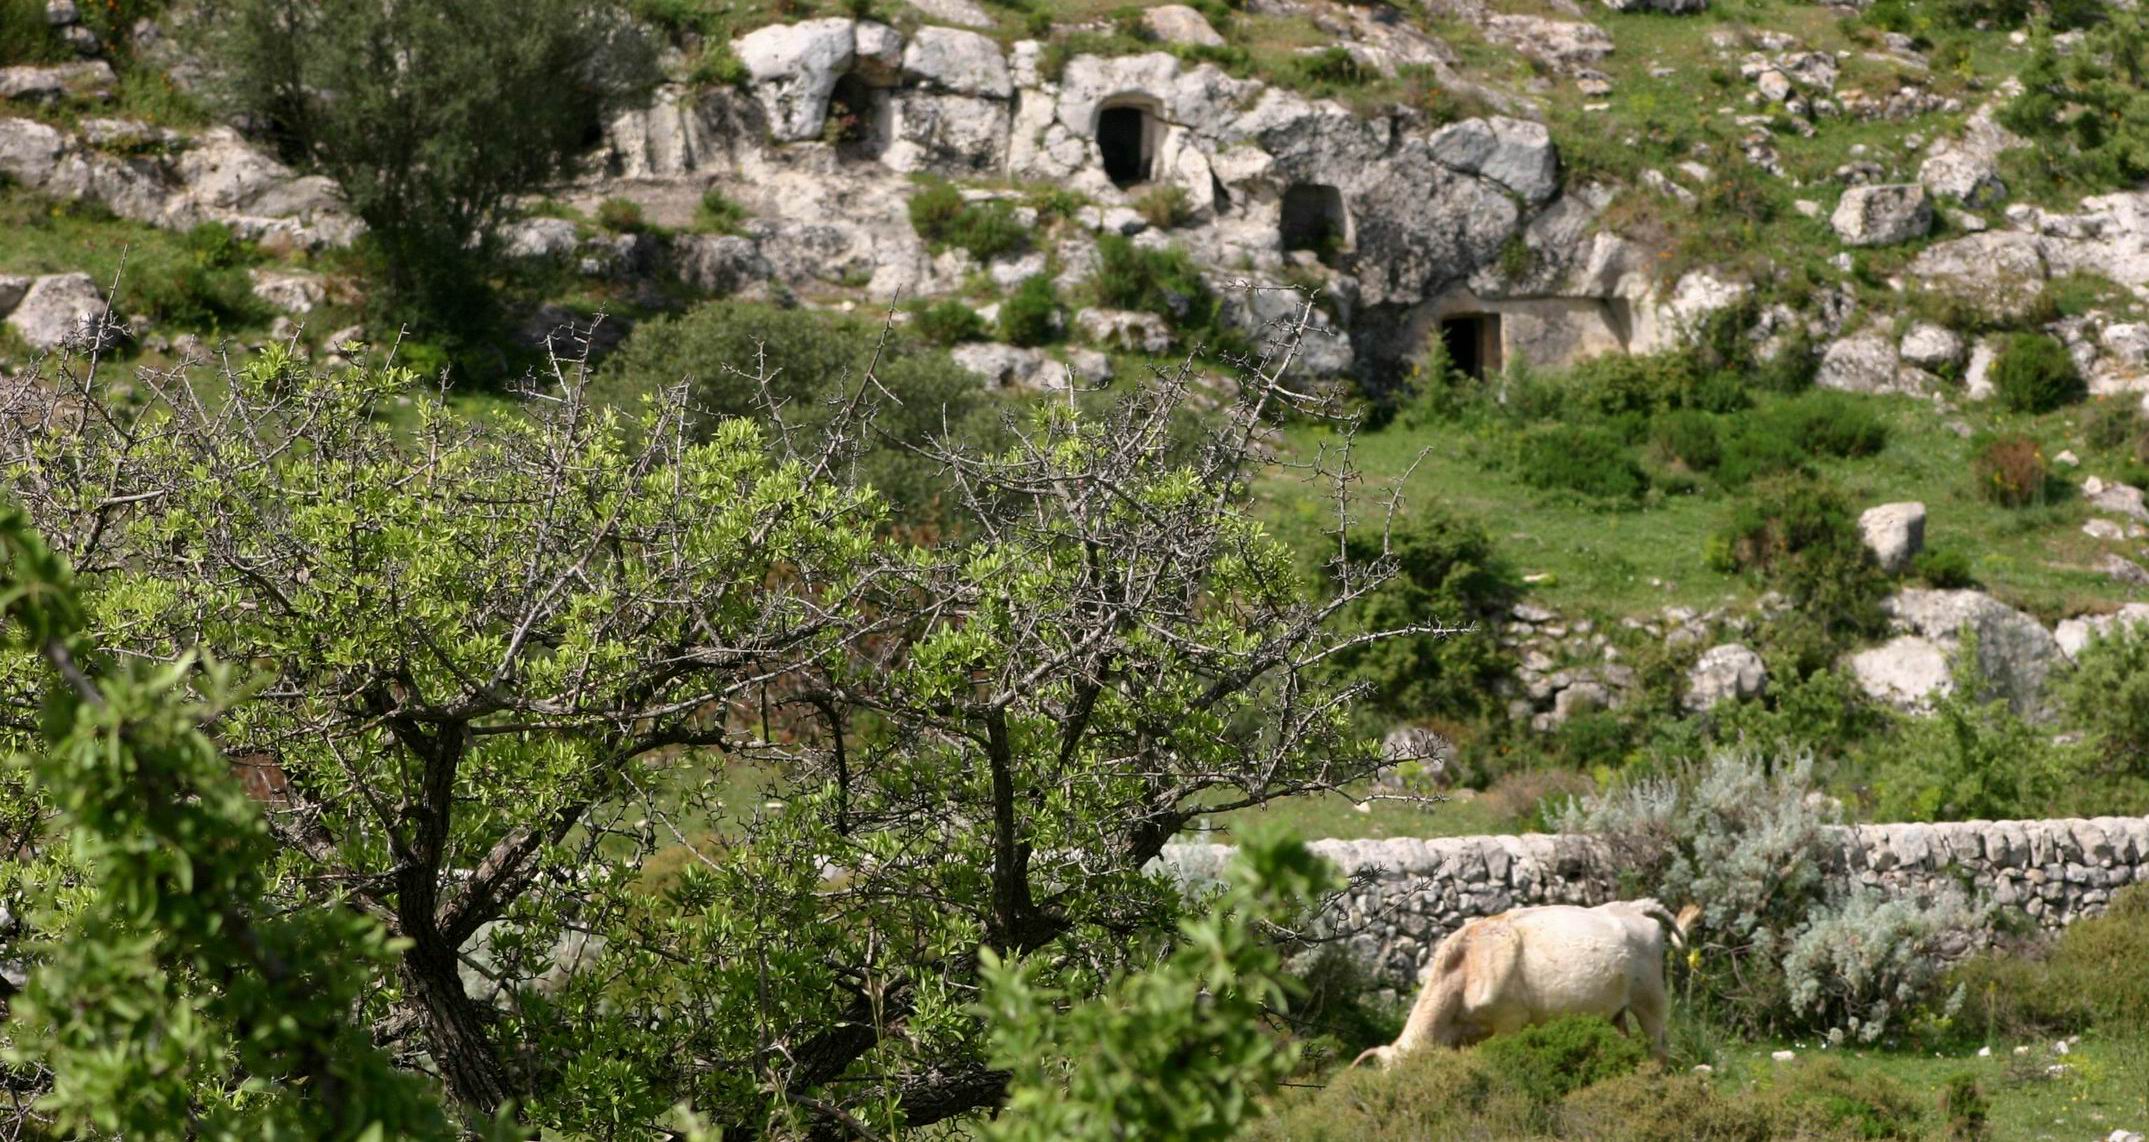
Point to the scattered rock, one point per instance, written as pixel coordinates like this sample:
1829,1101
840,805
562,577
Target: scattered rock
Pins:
2120,569
1669,7
1009,366
2074,635
2067,459
1730,671
1930,346
1906,672
1127,331
63,310
541,238
2119,499
289,292
964,12
1894,533
2014,651
2104,529
721,264
1882,215
1865,363
1179,24
86,79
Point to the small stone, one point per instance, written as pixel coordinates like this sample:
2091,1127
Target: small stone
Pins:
1882,215
2067,459
1894,533
2104,529
1783,1056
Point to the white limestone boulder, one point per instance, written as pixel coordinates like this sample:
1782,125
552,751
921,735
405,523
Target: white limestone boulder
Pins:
794,69
1515,153
1730,672
1882,215
62,310
1894,533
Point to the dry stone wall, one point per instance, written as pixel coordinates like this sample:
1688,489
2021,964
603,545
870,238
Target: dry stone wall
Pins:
1408,893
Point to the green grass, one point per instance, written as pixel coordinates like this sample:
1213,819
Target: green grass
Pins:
1335,816
1587,558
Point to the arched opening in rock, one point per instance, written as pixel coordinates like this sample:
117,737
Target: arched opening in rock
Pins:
856,113
1127,139
1473,343
1314,219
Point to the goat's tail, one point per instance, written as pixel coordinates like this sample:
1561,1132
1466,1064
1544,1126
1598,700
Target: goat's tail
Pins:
1675,927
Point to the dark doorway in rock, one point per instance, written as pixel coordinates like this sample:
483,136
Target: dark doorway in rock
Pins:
1314,219
1473,343
1127,140
853,108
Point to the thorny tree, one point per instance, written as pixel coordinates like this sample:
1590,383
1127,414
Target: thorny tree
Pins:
510,668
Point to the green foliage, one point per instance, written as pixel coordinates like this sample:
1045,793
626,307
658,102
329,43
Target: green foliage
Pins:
1549,1061
1330,71
1165,207
945,219
1031,315
2088,977
203,285
1688,436
1164,282
2087,106
622,215
1944,568
2107,695
1171,1052
1426,1094
2033,372
1580,458
1862,964
175,992
946,322
1801,536
718,214
1862,1105
1965,1108
2010,470
433,117
1447,572
811,361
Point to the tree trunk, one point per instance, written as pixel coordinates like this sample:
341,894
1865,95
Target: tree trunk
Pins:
455,1026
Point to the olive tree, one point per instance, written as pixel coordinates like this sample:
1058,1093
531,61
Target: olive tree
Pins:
510,673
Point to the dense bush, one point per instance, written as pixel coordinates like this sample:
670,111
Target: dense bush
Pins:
2010,470
27,36
2117,423
1549,1061
1779,947
1688,436
1801,536
810,356
1944,568
1031,315
1782,437
1447,572
718,214
1581,458
1858,967
945,219
1164,282
620,215
2034,373
1973,758
2090,976
946,322
2107,695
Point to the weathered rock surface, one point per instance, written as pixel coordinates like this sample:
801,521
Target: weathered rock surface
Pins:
1932,347
2119,499
1722,673
1514,153
1894,533
2074,635
85,79
1179,24
1907,671
289,292
794,69
1866,363
2014,651
1882,215
63,310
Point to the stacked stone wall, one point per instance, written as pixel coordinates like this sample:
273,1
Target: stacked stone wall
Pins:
1408,893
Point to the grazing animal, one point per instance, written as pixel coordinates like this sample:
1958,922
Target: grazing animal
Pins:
1502,973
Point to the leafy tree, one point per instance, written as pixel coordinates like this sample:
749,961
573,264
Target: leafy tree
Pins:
178,1002
1446,570
2108,695
506,661
1171,1052
434,116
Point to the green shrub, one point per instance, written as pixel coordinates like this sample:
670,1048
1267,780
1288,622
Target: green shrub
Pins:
718,214
946,322
1651,1106
2089,977
1446,566
1801,536
2010,470
1031,315
1427,1094
1584,459
620,215
1825,1093
944,219
1549,1061
1165,207
1864,965
2085,117
1331,70
1164,282
2035,373
1964,1108
2107,695
1688,436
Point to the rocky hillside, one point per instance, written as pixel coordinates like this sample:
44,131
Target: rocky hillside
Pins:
1484,202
